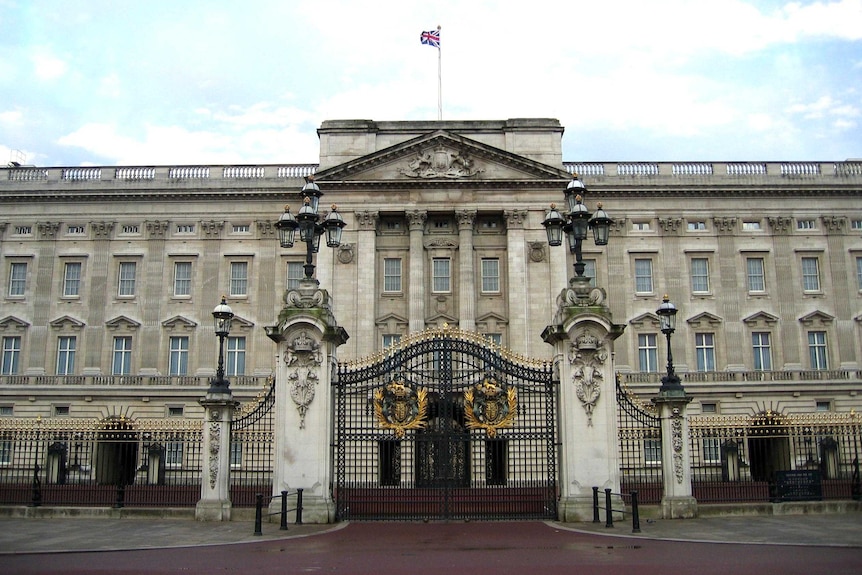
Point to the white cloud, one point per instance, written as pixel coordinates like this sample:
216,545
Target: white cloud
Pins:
47,66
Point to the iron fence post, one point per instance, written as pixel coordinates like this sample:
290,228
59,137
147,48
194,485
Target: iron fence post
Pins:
258,514
609,513
596,505
636,520
299,506
121,495
283,526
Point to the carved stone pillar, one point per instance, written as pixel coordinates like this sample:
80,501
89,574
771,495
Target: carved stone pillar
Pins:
215,504
366,270
307,336
516,248
582,334
677,501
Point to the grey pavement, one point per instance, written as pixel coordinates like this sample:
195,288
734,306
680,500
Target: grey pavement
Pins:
63,534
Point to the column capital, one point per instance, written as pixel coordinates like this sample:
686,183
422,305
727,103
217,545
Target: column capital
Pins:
366,220
466,218
416,219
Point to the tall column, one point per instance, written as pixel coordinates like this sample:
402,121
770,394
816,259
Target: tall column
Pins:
366,269
215,504
467,273
306,335
786,292
844,323
583,335
151,329
416,221
518,295
728,293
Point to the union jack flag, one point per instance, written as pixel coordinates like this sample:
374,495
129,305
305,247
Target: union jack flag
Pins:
431,38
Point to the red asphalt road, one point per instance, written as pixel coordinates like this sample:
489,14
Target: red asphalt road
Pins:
450,549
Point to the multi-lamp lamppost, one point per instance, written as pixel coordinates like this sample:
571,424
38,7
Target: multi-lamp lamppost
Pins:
311,225
576,223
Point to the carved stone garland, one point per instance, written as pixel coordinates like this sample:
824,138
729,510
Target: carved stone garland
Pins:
587,355
215,439
676,439
303,360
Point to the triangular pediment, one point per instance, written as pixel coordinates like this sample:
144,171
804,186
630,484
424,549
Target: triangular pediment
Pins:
703,319
122,322
815,318
10,322
491,323
179,323
391,322
760,318
438,321
67,322
239,323
645,320
440,158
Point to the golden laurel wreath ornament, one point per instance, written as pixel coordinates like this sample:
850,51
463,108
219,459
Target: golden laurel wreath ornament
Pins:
490,406
400,407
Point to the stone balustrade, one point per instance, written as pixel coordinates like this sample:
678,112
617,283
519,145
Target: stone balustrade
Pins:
128,380
784,376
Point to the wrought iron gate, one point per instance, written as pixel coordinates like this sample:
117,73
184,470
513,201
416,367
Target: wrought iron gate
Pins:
639,428
445,425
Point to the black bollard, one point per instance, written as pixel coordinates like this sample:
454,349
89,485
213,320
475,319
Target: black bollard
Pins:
283,526
258,515
609,513
636,519
595,505
299,506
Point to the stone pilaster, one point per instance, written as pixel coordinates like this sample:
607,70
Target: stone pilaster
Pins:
467,274
416,221
516,248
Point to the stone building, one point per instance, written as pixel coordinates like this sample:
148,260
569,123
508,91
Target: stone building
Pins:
110,274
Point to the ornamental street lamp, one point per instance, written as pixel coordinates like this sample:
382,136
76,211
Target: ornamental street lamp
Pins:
666,313
222,318
576,223
310,225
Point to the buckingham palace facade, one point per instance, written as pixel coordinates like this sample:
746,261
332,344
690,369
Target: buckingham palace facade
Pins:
109,275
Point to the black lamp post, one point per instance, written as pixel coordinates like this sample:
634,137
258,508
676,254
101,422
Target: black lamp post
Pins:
222,318
310,225
576,223
666,313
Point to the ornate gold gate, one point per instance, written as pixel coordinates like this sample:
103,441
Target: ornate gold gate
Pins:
445,425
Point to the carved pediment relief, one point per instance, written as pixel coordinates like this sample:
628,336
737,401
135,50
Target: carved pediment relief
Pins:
760,319
645,320
704,319
440,156
122,322
179,323
12,323
67,322
816,318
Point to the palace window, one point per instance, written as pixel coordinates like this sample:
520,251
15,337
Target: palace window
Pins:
11,355
392,275
235,360
762,349
295,272
859,273
711,450
643,276
182,279
696,226
810,274
441,275
178,355
817,350
756,279
751,226
238,279
390,339
174,454
17,279
805,225
704,347
126,281
699,275
72,279
647,352
652,451
66,355
490,275
590,271
122,362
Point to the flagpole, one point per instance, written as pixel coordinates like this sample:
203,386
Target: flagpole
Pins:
439,80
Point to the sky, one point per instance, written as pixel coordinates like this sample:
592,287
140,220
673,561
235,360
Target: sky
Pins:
169,82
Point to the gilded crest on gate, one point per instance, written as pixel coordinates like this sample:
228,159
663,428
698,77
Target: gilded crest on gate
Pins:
400,407
490,406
